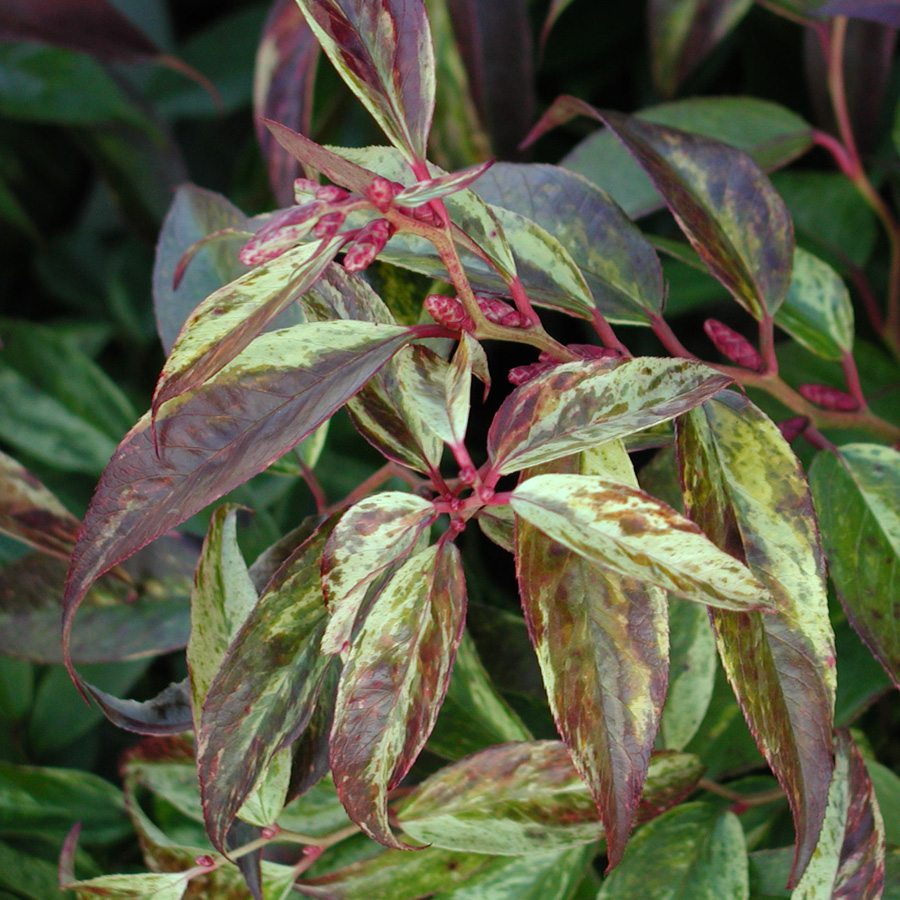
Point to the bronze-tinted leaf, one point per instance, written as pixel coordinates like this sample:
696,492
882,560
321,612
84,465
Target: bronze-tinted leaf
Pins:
746,488
259,406
265,690
393,683
517,799
602,643
577,405
384,53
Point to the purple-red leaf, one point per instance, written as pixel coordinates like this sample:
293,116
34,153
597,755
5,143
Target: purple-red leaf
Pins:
885,11
384,52
282,89
281,388
393,684
169,712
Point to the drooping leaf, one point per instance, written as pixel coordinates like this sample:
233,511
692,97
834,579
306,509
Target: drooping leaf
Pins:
372,538
31,512
856,499
602,644
745,487
817,311
619,265
283,81
574,406
385,55
720,198
230,318
694,851
393,683
769,133
518,799
265,690
683,32
169,712
258,407
630,533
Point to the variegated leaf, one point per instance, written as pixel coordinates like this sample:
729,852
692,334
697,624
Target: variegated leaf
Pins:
746,488
384,53
282,387
518,799
370,541
856,498
720,198
602,643
630,533
393,684
264,693
577,405
159,886
229,319
436,188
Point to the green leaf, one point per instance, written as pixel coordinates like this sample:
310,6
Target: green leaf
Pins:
393,683
856,499
16,688
694,852
771,134
27,875
620,266
520,799
577,405
887,792
230,318
13,213
817,311
281,388
159,886
265,691
630,533
602,643
692,673
372,538
386,57
45,803
746,488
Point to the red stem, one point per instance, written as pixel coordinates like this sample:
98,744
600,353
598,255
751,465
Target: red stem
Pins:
607,335
668,338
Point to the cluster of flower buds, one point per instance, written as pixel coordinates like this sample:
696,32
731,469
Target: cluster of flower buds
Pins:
279,234
733,346
449,312
522,374
828,397
367,243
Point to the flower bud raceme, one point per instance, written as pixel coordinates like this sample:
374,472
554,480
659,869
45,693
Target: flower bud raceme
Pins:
733,346
328,225
332,194
449,312
367,244
382,192
500,313
281,233
828,397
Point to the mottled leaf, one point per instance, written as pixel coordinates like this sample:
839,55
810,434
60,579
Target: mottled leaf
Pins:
856,498
385,55
518,799
618,263
817,311
159,886
602,643
258,407
771,134
683,32
746,488
266,688
283,81
630,533
393,683
372,538
694,852
31,512
442,186
576,405
230,318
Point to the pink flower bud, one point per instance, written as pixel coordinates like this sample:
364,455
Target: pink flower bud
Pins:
303,187
500,313
585,351
369,242
732,345
328,225
522,374
791,429
270,831
331,193
448,312
205,861
828,397
281,233
382,192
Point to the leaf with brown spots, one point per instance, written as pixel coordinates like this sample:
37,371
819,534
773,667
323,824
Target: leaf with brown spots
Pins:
384,53
602,643
394,680
577,405
745,488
